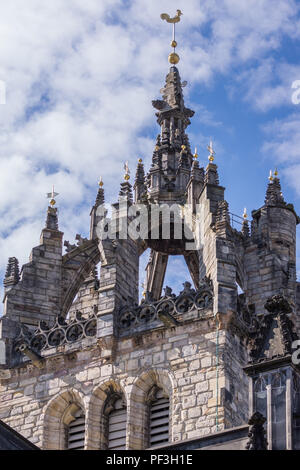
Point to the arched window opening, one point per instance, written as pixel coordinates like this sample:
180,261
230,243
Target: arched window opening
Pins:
116,414
296,412
260,396
159,417
278,403
76,430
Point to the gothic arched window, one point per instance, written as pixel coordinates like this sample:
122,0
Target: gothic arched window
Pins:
116,422
278,404
159,417
260,396
296,412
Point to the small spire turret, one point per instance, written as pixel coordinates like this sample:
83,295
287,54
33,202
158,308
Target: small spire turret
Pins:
126,188
100,199
52,219
245,226
139,184
211,173
12,275
274,195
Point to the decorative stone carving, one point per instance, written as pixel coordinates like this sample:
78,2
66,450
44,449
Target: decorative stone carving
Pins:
69,246
168,307
257,433
80,240
275,332
12,275
60,333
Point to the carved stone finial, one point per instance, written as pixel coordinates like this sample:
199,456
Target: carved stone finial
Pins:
257,433
69,246
274,195
80,240
211,174
12,274
52,219
100,195
278,304
139,184
168,291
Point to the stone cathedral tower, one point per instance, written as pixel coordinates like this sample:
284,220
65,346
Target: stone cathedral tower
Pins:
86,365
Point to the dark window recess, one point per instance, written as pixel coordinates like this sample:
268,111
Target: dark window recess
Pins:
117,420
278,401
76,432
260,397
296,412
159,419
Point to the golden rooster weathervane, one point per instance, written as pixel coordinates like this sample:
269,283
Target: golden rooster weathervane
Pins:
173,57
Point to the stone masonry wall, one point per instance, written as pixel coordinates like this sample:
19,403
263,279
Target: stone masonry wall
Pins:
181,360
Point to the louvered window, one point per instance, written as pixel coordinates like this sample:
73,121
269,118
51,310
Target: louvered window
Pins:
76,431
117,419
159,419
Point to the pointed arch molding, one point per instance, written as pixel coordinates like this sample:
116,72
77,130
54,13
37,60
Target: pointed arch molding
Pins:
58,414
76,267
96,417
139,403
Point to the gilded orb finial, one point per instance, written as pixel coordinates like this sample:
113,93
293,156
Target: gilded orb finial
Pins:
173,57
245,215
127,172
140,160
212,153
51,196
101,182
271,176
276,172
196,154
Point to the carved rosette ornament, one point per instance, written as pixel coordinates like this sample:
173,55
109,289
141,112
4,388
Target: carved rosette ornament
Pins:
62,332
149,311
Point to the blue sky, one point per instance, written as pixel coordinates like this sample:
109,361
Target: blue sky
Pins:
80,77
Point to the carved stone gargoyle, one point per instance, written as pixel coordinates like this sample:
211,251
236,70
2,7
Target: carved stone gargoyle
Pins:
257,433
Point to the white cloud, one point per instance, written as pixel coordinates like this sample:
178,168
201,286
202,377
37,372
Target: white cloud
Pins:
80,78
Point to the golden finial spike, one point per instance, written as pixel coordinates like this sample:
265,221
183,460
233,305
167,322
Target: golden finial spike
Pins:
245,215
276,172
101,182
212,153
173,57
127,172
51,196
196,154
140,160
271,176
